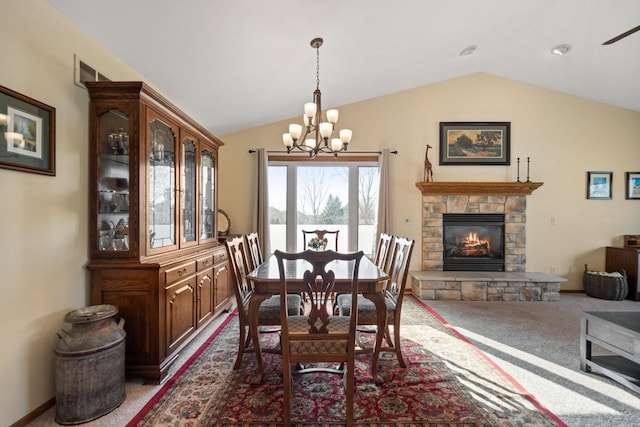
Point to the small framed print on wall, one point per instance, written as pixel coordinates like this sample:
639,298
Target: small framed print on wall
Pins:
633,185
599,185
27,134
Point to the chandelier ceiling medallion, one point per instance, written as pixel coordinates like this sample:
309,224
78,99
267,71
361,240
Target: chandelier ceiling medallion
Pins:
317,135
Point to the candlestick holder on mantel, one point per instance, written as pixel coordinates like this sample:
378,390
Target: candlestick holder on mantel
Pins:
479,188
518,169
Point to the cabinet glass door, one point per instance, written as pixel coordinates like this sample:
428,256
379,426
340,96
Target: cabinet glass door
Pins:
207,199
188,191
113,182
162,185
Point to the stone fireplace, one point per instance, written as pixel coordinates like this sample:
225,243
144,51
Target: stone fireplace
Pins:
513,207
487,201
473,242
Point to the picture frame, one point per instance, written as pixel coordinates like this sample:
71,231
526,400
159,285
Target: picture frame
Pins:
599,185
27,134
633,186
475,143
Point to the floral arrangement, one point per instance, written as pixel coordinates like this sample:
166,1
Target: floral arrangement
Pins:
316,243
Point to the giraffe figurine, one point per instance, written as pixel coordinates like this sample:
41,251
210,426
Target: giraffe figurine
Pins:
428,172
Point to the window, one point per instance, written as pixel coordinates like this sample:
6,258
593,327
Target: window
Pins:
335,195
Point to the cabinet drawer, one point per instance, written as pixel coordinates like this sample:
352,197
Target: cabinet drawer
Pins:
219,257
180,272
204,263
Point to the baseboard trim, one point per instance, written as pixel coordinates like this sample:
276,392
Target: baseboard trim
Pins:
35,413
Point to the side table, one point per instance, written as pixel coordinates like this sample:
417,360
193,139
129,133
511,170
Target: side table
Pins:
619,333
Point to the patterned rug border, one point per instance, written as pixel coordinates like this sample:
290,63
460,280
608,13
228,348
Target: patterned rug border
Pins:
166,386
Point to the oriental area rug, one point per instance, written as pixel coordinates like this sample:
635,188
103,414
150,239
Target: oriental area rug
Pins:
447,382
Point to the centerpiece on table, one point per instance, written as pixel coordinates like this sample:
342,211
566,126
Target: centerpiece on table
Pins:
317,244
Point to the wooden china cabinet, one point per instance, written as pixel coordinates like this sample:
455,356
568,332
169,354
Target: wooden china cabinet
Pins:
154,252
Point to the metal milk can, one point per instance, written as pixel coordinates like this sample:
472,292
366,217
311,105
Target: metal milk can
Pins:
90,379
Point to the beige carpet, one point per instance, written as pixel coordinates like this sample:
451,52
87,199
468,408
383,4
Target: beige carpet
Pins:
538,344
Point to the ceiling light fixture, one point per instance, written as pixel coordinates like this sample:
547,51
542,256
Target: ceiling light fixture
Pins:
468,50
317,133
561,49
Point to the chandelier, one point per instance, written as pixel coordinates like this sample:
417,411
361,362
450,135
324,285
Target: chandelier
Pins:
317,135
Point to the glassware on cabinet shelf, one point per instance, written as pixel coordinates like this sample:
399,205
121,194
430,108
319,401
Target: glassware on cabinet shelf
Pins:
188,185
207,197
162,185
112,190
119,142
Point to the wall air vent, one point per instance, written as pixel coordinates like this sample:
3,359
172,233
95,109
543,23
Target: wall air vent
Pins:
84,72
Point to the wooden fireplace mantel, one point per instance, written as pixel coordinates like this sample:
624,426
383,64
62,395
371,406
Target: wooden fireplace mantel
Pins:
464,188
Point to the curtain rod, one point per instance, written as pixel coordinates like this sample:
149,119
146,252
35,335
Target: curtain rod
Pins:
251,151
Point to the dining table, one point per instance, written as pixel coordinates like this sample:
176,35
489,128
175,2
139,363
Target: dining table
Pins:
371,284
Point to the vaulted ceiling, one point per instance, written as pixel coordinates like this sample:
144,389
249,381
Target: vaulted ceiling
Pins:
237,64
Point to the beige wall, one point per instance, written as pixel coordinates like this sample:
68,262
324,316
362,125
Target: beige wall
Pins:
564,136
43,244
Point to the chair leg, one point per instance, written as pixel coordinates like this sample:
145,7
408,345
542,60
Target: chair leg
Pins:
286,385
244,340
350,390
396,338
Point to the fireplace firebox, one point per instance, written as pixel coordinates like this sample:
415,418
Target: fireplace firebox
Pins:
473,242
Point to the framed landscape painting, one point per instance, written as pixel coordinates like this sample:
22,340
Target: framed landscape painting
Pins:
27,133
475,143
599,185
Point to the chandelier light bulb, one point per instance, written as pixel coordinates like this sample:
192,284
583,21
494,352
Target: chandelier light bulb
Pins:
310,143
332,116
345,136
325,129
287,139
310,109
336,144
295,131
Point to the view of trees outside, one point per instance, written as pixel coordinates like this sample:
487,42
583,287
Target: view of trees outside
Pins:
322,201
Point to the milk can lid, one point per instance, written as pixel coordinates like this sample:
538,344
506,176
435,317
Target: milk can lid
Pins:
91,313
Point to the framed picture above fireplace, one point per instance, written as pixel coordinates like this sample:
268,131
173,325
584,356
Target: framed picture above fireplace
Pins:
475,143
599,185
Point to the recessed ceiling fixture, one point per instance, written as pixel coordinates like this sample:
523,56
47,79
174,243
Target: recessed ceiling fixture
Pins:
468,50
317,133
561,49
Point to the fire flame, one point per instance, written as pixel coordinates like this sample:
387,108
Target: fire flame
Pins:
473,240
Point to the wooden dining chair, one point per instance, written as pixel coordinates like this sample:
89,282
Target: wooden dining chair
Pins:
269,311
255,252
383,251
401,250
318,336
330,235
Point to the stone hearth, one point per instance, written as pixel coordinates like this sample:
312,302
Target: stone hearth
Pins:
479,197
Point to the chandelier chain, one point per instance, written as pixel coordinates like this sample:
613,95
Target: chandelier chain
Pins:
318,67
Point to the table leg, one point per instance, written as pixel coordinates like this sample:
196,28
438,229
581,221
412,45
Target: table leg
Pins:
253,310
381,316
585,345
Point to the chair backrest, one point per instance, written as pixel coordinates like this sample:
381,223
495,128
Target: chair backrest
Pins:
383,251
319,285
399,267
238,263
329,235
255,252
